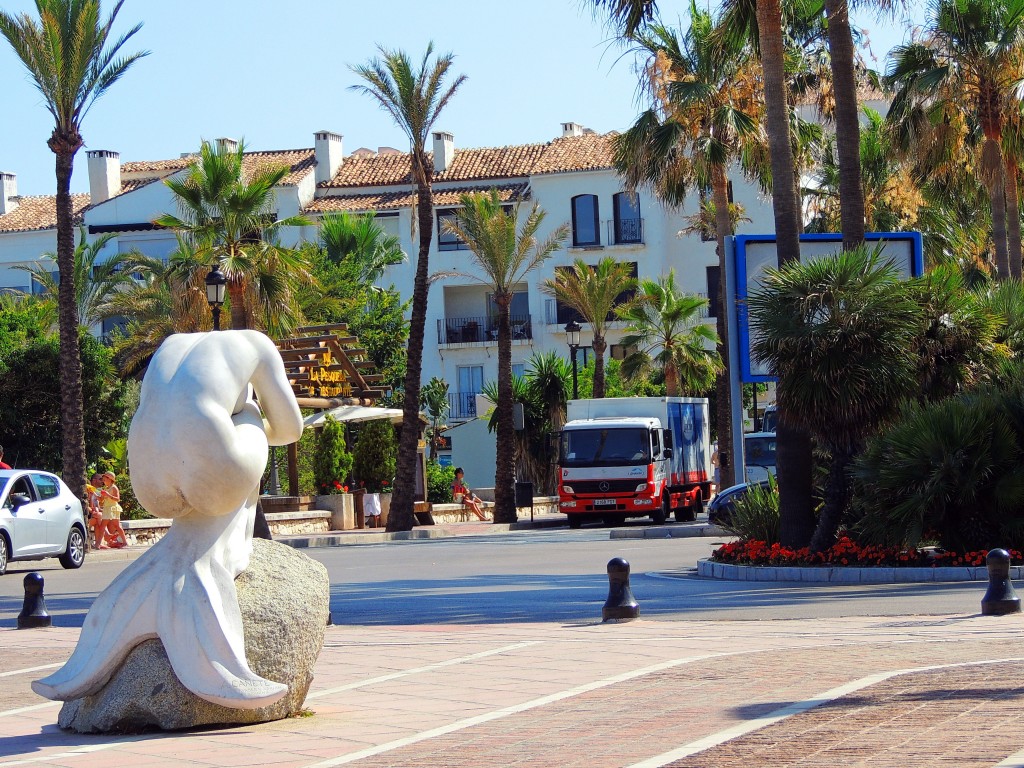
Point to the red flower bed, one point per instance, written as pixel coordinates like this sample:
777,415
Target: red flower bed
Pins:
846,552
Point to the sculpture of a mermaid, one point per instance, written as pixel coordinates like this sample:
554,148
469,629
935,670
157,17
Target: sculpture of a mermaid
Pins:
197,449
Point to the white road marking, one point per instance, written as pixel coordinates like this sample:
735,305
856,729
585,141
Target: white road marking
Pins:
31,669
21,710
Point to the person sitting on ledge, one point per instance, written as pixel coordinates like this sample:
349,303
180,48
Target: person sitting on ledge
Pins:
465,496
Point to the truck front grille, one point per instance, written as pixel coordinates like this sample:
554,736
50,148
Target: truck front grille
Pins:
597,487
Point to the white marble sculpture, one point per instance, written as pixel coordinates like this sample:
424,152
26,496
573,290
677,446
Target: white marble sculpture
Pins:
197,449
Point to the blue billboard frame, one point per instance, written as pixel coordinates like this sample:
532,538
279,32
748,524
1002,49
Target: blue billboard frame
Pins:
740,243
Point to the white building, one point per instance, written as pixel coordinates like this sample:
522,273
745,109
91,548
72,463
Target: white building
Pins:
570,177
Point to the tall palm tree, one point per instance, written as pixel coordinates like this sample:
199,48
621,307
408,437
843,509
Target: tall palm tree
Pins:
593,292
839,333
96,282
414,98
229,217
970,59
666,329
505,253
73,59
705,117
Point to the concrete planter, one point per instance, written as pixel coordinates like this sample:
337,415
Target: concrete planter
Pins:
342,509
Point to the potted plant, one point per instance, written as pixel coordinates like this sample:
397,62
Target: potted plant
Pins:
374,462
332,464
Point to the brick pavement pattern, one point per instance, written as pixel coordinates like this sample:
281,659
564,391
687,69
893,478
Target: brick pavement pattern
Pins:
640,694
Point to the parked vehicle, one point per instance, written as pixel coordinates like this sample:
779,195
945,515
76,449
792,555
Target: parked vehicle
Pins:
39,517
625,457
770,420
720,508
759,454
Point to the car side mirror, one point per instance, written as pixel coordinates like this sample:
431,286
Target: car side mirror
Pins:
667,453
18,499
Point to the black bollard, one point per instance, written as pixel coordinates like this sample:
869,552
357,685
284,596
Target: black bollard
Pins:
33,612
1000,598
621,603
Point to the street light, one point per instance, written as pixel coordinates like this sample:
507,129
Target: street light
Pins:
216,283
572,335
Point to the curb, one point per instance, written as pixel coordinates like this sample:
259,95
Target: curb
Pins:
845,575
670,532
416,534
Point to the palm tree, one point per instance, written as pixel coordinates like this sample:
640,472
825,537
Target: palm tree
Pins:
969,60
434,397
839,333
666,328
228,216
593,292
360,244
414,98
505,253
73,60
706,116
96,282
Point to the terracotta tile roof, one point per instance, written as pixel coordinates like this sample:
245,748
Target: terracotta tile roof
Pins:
40,212
467,165
589,152
299,162
383,201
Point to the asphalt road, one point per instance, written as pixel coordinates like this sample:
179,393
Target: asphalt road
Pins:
538,575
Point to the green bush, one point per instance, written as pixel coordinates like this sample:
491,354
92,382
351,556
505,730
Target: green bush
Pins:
755,515
332,462
947,471
439,483
374,456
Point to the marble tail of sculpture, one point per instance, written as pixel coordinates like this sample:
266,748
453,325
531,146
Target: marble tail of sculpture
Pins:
197,449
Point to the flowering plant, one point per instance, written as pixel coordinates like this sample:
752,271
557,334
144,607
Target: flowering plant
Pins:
846,552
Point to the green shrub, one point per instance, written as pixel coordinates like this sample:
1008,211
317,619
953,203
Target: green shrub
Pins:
439,483
332,462
948,471
374,456
755,515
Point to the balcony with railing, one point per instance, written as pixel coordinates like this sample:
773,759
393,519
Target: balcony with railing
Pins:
625,231
481,330
462,405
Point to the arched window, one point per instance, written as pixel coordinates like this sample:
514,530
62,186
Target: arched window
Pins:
585,223
628,224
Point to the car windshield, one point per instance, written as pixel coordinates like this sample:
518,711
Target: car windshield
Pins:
760,451
608,446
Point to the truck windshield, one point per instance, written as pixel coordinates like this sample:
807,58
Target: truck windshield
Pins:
605,447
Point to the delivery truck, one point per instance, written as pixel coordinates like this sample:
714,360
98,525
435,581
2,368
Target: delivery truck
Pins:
625,457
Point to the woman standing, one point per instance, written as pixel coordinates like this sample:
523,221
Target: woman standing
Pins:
110,506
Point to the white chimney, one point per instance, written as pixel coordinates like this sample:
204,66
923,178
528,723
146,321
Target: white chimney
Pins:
327,150
444,151
571,129
226,145
104,175
8,191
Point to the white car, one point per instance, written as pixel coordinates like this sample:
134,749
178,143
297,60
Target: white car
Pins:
39,517
759,453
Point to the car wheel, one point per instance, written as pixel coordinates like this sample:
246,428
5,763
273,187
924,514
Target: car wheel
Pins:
575,522
610,521
74,555
5,553
689,514
660,515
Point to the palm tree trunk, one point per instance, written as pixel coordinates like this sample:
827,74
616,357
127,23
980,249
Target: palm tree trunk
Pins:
837,494
599,346
793,459
504,477
844,85
406,466
71,408
992,163
236,291
1012,215
723,382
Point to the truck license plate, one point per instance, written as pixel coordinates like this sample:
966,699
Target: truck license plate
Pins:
604,502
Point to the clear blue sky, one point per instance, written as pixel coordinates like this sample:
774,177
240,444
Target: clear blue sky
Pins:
275,72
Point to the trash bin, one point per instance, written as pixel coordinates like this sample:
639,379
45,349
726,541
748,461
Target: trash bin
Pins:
524,495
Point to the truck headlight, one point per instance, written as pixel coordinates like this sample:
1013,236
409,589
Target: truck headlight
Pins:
641,488
568,489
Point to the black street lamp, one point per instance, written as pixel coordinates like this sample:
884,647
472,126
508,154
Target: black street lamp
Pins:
216,284
572,335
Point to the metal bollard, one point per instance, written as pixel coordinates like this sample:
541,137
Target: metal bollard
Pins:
621,605
1000,598
33,611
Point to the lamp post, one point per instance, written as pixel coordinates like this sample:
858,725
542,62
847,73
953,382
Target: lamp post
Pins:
216,283
572,335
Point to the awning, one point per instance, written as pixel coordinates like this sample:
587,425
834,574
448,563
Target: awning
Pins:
354,413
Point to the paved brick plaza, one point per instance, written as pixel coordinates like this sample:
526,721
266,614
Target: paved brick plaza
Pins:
643,693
